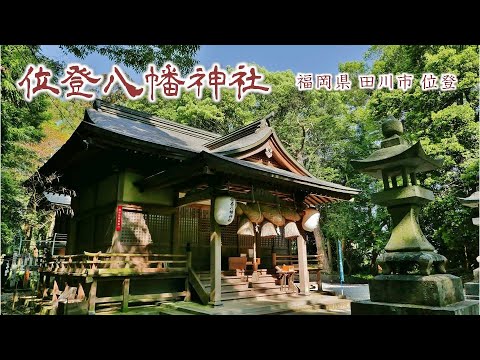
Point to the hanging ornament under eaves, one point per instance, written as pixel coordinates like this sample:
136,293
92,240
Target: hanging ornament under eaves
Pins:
310,219
253,212
290,214
239,209
245,227
273,214
291,230
268,230
224,210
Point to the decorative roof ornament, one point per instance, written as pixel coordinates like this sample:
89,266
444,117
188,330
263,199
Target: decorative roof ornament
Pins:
268,152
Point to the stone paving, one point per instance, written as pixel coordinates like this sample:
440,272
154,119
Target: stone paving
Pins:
351,291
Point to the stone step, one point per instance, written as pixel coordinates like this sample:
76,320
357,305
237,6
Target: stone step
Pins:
265,280
232,278
227,288
172,311
334,305
225,281
252,293
260,277
185,309
281,304
265,285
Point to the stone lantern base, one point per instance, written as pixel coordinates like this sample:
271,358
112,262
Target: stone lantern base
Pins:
367,307
439,294
471,288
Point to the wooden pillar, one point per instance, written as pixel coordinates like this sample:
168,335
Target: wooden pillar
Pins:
255,265
188,296
175,231
319,240
302,264
274,259
125,294
215,259
92,297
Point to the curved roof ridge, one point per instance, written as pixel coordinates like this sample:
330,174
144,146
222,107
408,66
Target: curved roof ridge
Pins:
240,133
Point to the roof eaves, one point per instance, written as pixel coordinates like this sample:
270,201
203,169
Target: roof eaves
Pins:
290,157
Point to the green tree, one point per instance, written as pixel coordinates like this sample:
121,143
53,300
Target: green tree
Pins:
21,123
446,123
138,57
25,124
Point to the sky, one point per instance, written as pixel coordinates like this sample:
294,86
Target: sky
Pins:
298,58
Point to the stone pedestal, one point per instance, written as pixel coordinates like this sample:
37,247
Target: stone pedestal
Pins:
431,290
471,290
367,307
440,294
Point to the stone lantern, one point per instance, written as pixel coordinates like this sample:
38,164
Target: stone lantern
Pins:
413,279
472,288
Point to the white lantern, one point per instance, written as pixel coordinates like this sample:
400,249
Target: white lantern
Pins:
310,219
225,209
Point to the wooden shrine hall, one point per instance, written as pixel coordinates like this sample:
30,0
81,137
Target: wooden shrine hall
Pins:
144,228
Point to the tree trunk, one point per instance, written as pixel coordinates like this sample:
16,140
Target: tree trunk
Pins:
329,256
299,156
373,263
467,265
349,264
346,258
320,242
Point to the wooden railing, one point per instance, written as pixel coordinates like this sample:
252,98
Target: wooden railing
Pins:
314,262
194,280
106,264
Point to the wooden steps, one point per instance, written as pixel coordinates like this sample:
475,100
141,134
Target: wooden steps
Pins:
235,287
228,288
251,293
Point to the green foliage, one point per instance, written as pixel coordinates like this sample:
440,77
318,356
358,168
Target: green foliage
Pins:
138,57
20,126
33,131
447,125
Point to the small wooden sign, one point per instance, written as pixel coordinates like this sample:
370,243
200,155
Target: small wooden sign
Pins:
119,218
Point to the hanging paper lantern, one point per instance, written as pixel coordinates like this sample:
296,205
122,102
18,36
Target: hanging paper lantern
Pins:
310,219
268,230
245,227
273,214
225,210
253,213
291,230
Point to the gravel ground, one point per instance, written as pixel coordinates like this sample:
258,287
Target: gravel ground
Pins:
351,291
